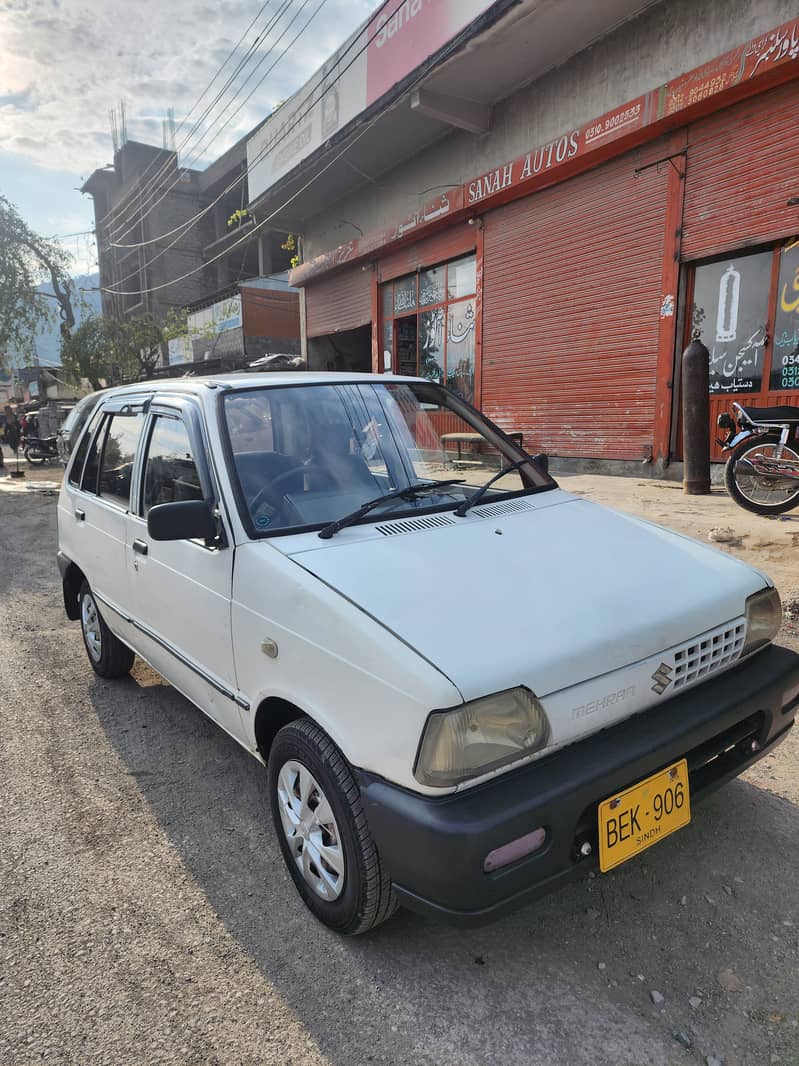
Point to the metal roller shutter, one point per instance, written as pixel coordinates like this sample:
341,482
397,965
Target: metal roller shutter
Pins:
452,242
571,301
742,170
341,302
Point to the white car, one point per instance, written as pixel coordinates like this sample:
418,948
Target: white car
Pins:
468,686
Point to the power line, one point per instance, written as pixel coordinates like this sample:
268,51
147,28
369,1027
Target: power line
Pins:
297,119
131,193
364,130
121,230
166,191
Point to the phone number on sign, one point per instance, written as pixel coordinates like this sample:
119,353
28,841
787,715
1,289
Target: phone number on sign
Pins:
613,123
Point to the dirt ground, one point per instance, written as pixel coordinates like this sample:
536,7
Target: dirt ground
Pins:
146,918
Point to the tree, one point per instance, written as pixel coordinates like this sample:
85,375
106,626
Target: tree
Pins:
26,260
86,352
136,344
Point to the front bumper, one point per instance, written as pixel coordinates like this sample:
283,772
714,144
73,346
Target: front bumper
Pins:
433,848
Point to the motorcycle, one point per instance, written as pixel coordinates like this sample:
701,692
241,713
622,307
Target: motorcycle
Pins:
38,450
762,471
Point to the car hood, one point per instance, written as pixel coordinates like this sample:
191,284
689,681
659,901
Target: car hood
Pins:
548,594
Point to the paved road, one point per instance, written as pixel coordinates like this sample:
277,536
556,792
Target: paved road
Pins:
145,916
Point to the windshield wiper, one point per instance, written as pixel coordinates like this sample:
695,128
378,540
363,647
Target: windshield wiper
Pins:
408,492
475,498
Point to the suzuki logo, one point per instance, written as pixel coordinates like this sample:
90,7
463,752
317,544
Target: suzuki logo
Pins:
662,678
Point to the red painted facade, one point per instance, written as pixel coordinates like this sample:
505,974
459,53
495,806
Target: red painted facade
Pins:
589,249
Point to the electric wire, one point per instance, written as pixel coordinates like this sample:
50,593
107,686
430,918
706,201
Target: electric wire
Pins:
131,194
362,132
184,227
121,226
168,189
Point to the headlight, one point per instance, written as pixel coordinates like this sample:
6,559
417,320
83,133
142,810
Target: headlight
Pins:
479,737
763,619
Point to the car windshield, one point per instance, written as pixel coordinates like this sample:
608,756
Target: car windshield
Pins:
309,455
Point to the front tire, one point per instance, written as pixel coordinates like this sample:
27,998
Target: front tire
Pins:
323,833
752,491
107,654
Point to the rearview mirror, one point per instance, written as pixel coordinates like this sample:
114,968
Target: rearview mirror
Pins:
184,520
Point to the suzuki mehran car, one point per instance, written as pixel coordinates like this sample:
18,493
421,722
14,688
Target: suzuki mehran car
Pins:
467,685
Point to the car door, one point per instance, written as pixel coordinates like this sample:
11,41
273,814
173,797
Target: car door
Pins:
95,531
182,589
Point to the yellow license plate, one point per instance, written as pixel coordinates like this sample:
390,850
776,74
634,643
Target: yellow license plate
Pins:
634,820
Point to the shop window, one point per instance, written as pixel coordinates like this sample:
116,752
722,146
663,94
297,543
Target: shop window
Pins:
746,308
730,308
785,358
429,322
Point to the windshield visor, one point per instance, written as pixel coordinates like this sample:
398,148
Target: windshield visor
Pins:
305,455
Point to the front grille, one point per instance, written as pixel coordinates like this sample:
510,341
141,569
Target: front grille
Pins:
708,653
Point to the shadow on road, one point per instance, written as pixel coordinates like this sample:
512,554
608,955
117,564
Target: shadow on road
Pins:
551,983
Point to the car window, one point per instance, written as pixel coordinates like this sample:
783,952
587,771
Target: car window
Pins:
92,467
76,466
170,473
119,454
308,455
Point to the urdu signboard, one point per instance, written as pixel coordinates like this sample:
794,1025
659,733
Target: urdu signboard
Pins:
376,57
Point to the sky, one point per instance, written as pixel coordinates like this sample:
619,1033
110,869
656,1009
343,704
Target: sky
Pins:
64,64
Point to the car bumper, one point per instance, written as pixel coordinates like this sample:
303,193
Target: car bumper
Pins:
433,848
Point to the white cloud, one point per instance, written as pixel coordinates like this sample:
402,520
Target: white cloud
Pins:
65,63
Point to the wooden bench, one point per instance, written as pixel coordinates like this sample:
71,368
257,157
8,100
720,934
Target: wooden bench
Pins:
476,438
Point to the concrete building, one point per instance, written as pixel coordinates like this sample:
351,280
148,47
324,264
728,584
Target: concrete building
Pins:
145,200
537,201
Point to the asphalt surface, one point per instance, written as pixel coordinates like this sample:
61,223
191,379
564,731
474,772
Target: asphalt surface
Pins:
145,916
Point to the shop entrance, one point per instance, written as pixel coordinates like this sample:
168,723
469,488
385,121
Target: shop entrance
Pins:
350,350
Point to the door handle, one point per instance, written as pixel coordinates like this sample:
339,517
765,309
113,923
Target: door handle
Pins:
80,515
140,547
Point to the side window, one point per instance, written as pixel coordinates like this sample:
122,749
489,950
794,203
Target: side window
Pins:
92,467
79,458
119,454
170,474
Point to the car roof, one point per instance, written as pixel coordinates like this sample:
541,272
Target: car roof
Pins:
271,379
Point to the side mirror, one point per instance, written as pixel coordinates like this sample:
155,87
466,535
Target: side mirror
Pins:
184,520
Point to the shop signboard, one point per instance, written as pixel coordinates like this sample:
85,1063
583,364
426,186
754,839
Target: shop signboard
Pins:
381,53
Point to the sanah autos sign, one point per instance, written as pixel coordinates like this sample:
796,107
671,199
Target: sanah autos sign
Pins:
381,53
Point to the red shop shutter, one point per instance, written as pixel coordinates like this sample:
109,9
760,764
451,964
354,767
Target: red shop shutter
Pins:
456,240
743,167
343,301
571,303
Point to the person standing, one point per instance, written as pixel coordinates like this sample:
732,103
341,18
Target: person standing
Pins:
12,429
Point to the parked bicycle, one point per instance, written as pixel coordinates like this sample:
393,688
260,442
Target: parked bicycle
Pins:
762,471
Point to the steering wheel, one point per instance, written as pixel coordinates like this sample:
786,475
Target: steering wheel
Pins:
269,494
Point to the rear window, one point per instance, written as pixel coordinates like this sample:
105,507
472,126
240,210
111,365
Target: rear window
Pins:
76,467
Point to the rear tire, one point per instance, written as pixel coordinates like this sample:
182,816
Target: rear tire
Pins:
34,460
323,833
107,654
731,479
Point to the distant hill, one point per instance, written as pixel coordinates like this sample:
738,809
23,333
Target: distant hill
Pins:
48,339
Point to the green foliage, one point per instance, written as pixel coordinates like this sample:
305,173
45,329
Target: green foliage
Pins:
86,352
136,345
238,216
26,261
290,245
